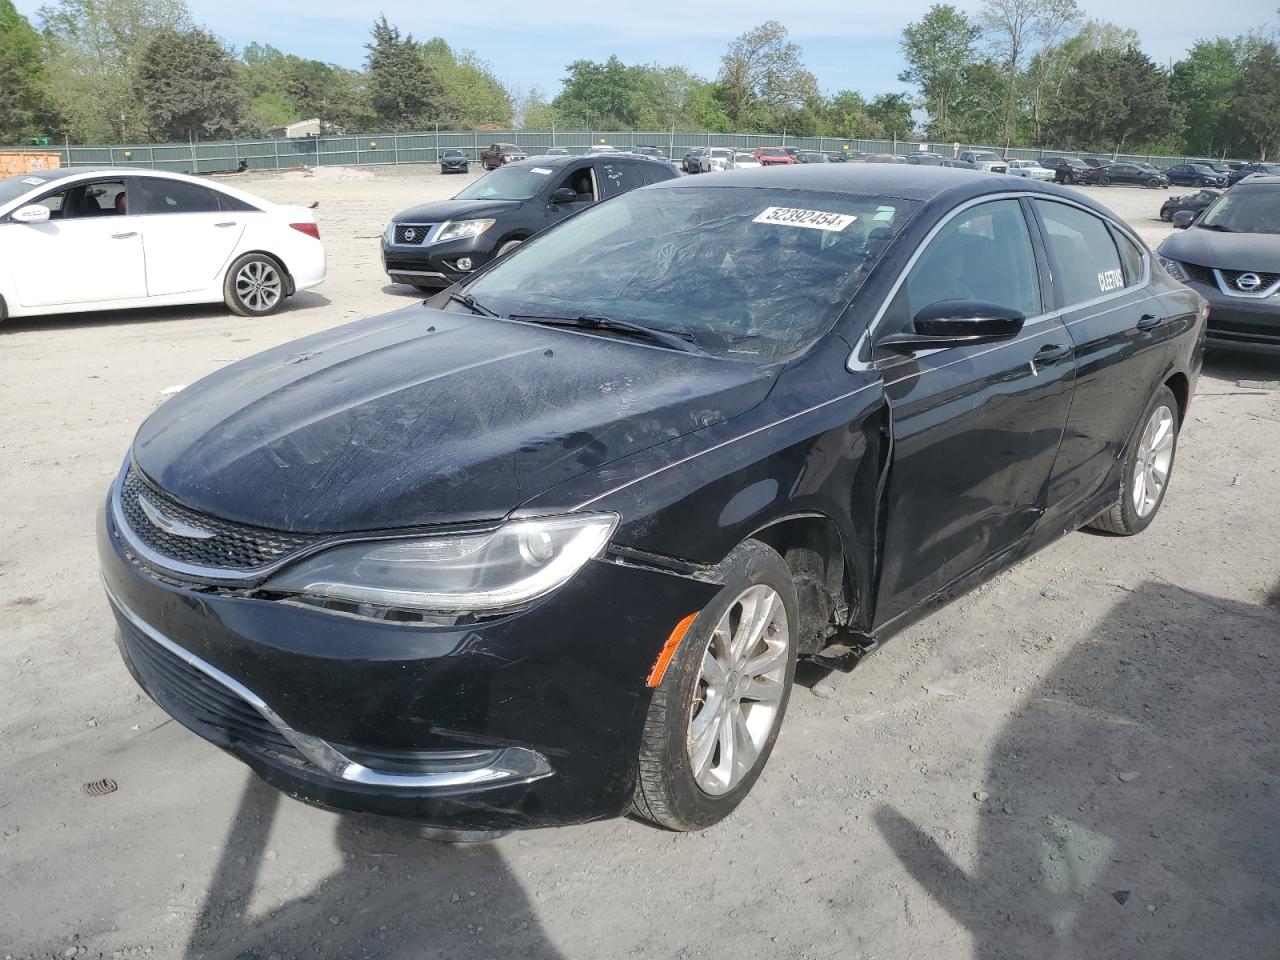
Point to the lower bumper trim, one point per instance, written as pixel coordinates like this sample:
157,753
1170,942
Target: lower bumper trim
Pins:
433,771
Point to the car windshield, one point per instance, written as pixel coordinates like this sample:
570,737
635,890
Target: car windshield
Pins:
11,188
1245,210
773,152
744,158
985,156
746,272
507,183
453,153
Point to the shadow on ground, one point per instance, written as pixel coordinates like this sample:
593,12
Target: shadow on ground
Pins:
13,326
395,896
1146,770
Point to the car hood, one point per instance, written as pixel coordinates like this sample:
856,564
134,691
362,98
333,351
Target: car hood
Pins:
1227,251
443,210
422,417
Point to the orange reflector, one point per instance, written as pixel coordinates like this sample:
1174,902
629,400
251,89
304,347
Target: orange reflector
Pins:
669,650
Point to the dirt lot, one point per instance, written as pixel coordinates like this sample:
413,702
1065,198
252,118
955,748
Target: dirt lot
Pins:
1079,760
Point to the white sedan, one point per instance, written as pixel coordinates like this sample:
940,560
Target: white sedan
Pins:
75,239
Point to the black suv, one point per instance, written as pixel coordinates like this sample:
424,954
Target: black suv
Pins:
1066,169
436,244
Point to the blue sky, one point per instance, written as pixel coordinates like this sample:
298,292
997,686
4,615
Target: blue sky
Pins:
848,45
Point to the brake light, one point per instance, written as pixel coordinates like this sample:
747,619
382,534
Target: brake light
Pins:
310,229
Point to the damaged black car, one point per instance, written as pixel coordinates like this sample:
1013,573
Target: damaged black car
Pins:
546,548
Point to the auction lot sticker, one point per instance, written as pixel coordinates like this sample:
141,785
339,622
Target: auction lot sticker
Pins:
811,219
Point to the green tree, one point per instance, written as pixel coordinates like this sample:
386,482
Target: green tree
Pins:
1256,104
763,80
24,109
404,91
1204,84
938,49
604,96
93,50
187,84
1115,100
891,112
472,92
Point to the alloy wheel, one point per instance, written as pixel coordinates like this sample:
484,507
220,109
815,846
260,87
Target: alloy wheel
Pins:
258,285
740,690
1155,457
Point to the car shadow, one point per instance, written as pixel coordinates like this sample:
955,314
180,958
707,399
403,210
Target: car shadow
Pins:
1131,799
306,300
408,290
394,896
1239,365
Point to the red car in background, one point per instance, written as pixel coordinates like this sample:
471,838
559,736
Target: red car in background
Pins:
772,156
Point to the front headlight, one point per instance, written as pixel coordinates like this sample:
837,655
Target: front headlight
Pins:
1174,268
493,572
460,229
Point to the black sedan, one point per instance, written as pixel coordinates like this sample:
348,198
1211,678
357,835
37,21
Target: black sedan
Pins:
433,245
1231,256
453,161
1248,169
1194,175
1131,173
1194,202
547,548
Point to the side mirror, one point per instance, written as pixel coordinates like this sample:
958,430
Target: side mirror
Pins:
31,213
953,323
564,195
1183,219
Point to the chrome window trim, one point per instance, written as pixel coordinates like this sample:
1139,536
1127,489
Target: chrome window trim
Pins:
856,364
1227,289
522,764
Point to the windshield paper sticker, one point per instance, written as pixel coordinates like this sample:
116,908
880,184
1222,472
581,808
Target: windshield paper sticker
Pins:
33,181
541,171
810,219
1109,280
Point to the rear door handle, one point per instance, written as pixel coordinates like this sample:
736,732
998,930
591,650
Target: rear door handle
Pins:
124,236
1149,320
1050,353
227,223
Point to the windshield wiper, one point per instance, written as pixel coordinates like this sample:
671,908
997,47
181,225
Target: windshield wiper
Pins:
675,341
470,302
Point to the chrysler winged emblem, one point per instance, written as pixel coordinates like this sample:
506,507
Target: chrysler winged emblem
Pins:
171,525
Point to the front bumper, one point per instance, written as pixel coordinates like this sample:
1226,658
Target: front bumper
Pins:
435,264
1241,323
529,720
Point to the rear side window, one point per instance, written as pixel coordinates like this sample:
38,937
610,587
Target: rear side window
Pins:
175,196
620,177
1086,264
658,172
984,253
1130,258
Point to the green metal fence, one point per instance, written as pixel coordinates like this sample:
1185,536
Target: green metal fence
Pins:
389,149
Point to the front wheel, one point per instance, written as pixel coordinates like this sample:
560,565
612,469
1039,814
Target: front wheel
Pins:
1104,181
1148,465
255,286
716,712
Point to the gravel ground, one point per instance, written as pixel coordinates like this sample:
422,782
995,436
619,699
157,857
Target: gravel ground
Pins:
1078,760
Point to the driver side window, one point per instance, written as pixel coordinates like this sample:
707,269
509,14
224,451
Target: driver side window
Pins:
983,253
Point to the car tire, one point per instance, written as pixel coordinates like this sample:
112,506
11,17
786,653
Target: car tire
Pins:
255,286
1149,452
507,247
1153,184
1104,181
1165,215
671,791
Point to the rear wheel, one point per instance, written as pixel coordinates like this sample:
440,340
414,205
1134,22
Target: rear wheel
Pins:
716,713
1104,181
508,247
1153,183
255,286
1148,466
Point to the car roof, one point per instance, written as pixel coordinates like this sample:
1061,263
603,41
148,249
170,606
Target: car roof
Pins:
556,160
1260,180
94,173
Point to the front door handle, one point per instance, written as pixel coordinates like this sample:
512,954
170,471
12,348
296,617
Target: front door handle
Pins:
1050,353
226,223
124,236
1149,320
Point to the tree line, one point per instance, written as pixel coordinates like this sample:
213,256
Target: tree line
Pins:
1014,73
